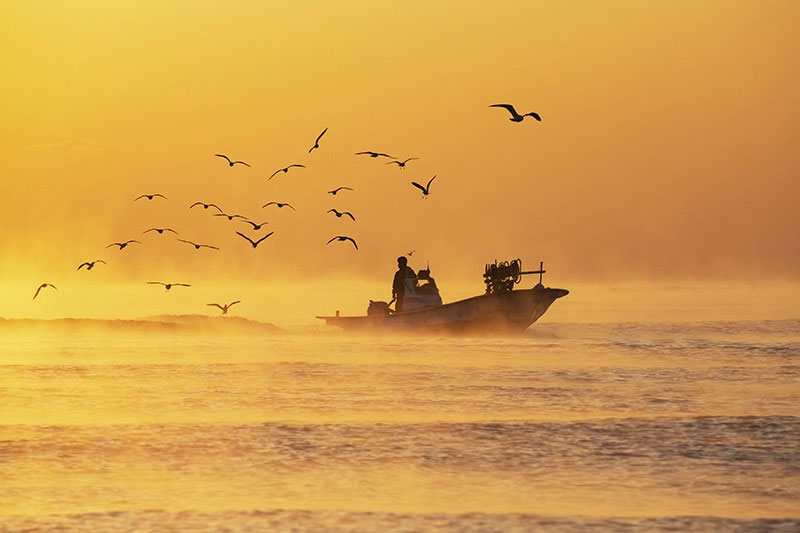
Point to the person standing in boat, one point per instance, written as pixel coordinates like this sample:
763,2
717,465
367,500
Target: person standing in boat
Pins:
399,284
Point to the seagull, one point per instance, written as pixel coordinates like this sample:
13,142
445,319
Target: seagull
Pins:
402,164
339,215
42,286
343,238
168,286
426,189
256,227
516,117
285,169
160,231
225,307
230,217
279,204
198,246
316,143
231,163
409,254
337,189
251,241
90,264
122,244
206,206
375,154
149,196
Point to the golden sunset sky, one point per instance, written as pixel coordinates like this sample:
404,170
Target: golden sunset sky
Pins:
667,148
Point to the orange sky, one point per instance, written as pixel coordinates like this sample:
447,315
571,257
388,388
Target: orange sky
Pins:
666,151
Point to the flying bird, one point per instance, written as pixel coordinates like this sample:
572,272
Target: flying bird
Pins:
256,227
279,204
426,189
198,246
409,254
225,308
251,241
231,163
150,196
516,117
168,286
90,264
337,189
286,169
339,215
402,164
375,154
160,231
206,206
230,217
42,286
343,238
316,143
122,245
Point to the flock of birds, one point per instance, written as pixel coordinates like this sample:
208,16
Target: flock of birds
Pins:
256,226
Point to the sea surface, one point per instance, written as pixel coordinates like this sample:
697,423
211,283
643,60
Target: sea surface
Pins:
689,426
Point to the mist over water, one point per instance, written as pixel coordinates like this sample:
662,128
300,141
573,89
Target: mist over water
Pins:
631,426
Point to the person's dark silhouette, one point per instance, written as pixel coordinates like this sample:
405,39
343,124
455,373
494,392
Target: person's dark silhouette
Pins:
398,284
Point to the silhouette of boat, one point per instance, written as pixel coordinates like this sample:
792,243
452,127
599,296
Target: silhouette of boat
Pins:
500,310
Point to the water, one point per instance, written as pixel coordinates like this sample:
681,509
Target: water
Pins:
571,427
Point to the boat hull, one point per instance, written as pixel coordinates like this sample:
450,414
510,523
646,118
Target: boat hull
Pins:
507,312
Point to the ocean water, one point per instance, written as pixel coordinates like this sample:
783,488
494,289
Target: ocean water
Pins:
569,427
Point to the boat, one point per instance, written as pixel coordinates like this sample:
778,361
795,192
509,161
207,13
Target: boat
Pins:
501,309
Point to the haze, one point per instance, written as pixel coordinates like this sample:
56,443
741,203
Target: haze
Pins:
666,149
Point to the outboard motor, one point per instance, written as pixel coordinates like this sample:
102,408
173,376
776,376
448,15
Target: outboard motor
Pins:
377,308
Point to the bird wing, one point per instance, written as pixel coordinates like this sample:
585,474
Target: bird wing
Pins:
241,163
187,242
348,213
351,240
181,284
156,283
364,153
386,155
410,159
320,135
132,240
429,183
289,205
51,285
268,204
331,211
418,186
209,246
83,265
37,291
273,174
161,195
215,206
534,115
217,305
264,237
346,188
140,197
100,261
114,244
196,203
172,230
236,302
151,229
332,239
508,107
246,237
223,156
295,165
398,163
